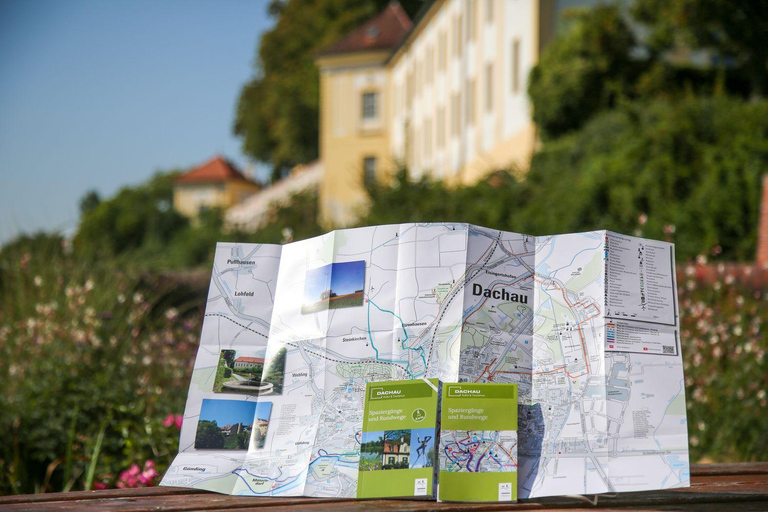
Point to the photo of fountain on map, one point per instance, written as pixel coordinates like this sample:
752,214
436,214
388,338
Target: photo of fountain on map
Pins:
338,285
242,372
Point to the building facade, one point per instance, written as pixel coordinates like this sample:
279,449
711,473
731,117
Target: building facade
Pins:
246,363
444,97
215,184
396,453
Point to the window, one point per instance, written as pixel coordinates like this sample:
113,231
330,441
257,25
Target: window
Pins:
456,111
441,57
428,139
516,66
370,105
489,87
472,99
470,22
440,127
457,38
430,64
369,170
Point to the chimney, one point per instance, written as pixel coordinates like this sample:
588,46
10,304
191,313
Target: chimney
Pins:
762,229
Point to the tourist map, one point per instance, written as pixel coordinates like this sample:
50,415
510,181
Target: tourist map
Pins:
586,324
478,451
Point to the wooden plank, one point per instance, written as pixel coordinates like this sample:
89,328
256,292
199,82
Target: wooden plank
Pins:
709,492
92,495
738,468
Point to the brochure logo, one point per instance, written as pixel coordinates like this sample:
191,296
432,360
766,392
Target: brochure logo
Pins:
419,414
379,393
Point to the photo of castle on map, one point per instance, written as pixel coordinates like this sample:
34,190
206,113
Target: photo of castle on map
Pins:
338,285
232,424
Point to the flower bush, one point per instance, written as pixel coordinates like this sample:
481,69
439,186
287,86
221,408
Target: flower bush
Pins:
94,366
726,368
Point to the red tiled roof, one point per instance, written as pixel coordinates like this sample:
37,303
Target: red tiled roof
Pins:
386,30
215,170
249,360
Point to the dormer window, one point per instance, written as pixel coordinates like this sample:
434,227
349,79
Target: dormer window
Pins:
372,32
370,106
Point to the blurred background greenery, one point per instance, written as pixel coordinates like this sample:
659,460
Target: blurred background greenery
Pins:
98,331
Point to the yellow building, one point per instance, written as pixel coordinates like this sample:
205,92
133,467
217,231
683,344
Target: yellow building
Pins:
215,184
445,96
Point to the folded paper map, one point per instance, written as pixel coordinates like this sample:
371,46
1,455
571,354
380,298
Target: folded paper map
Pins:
585,324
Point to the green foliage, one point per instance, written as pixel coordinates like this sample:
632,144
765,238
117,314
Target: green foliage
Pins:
228,356
89,202
492,202
278,110
85,347
276,371
692,166
735,32
136,217
209,436
583,72
295,220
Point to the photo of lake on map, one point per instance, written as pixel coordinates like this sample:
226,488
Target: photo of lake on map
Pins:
338,285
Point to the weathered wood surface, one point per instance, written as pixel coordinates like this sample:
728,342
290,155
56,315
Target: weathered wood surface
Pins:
742,487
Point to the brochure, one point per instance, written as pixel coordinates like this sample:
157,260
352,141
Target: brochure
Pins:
397,446
478,443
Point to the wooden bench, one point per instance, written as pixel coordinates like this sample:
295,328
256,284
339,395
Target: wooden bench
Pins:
742,487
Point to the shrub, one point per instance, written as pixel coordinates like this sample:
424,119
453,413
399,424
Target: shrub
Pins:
92,360
726,368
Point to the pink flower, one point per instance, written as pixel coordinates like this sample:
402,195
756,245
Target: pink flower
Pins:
138,477
100,486
173,419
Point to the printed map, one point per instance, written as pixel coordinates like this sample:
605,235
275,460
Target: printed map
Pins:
478,451
586,324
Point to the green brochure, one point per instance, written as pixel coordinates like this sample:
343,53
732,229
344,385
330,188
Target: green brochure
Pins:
397,448
478,443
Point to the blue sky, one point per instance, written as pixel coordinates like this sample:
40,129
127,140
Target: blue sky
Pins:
101,94
347,277
228,412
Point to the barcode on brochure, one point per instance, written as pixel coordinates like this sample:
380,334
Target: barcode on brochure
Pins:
666,349
505,491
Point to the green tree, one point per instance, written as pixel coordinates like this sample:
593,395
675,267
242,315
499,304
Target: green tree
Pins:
135,217
208,435
736,31
229,357
692,164
585,71
276,371
278,110
89,201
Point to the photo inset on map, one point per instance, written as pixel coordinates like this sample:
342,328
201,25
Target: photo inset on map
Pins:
228,424
240,371
461,450
338,285
388,449
422,448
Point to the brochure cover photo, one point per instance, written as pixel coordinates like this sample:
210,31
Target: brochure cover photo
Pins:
478,443
397,449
